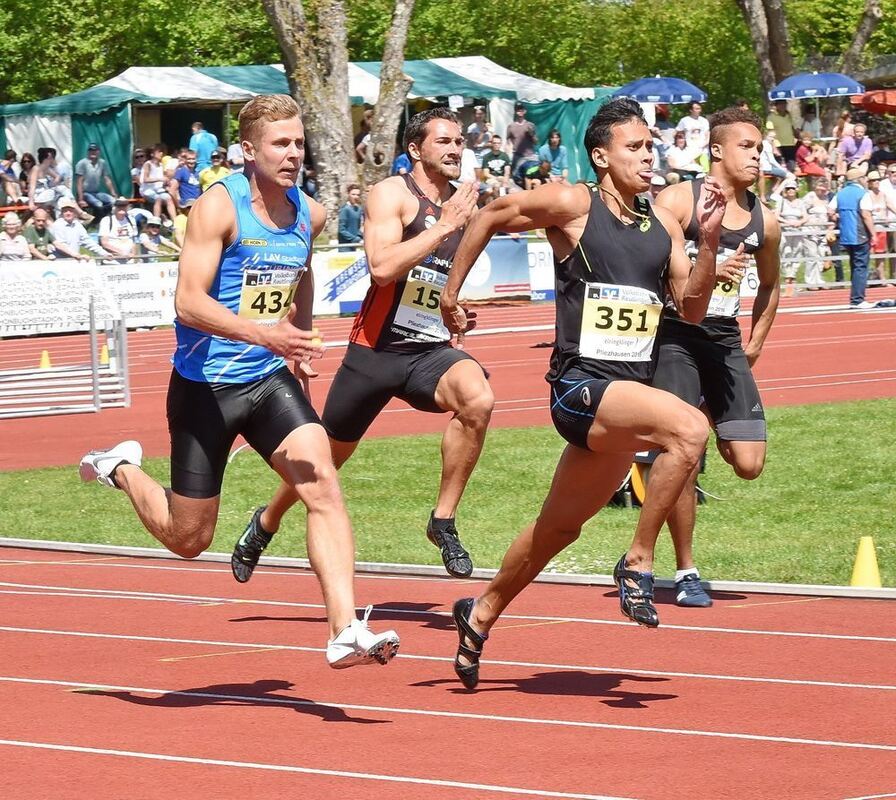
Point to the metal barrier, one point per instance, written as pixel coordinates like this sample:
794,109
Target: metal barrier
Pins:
73,389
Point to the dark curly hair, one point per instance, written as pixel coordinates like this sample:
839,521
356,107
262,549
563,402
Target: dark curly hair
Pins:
732,115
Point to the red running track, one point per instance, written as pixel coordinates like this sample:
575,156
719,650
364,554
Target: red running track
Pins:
124,677
811,356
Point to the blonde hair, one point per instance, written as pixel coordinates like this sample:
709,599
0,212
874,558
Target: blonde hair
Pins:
265,108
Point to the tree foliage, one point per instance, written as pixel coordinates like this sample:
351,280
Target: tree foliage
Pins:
573,42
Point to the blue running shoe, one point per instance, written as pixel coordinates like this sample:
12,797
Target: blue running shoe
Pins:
636,602
690,592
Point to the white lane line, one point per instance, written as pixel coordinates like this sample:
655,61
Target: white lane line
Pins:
418,657
754,737
333,773
872,796
124,594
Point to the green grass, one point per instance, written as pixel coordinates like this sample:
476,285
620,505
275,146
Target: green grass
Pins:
828,480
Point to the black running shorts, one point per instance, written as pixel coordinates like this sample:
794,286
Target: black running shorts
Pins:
205,418
368,379
692,366
575,397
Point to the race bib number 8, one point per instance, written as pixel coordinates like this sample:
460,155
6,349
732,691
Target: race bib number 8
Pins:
725,298
418,312
619,323
266,295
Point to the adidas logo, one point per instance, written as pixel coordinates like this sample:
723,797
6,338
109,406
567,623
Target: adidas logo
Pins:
757,407
752,239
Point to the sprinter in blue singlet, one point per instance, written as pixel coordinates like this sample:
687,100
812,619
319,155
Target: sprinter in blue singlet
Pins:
244,304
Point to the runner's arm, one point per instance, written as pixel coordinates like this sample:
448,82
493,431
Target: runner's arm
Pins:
554,205
390,259
765,306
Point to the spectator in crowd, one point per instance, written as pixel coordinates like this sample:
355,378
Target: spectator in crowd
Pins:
39,236
538,174
657,184
681,158
26,164
888,187
469,167
235,159
13,246
555,152
402,164
521,140
495,171
180,223
9,177
811,122
882,154
351,217
791,214
308,181
153,183
479,134
854,151
695,128
204,143
851,210
362,137
769,165
185,185
811,158
46,186
785,133
153,243
883,207
139,159
69,234
214,173
118,232
888,184
843,127
92,176
816,229
663,133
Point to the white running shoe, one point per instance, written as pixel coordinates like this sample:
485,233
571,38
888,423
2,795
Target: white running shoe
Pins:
99,465
357,644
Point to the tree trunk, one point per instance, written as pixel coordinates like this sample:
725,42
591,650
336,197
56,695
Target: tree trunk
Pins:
778,39
394,86
757,24
870,17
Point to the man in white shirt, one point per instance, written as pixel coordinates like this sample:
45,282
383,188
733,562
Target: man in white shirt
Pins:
70,235
118,233
696,128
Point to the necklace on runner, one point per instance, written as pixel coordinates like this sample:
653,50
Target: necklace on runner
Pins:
645,218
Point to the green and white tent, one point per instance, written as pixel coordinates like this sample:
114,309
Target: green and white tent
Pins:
123,112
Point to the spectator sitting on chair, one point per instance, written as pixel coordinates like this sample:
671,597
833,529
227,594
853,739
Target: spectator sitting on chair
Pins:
26,164
118,233
769,164
555,153
137,163
204,144
538,174
180,223
496,171
70,235
479,134
811,122
657,184
152,241
9,176
882,155
235,158
682,159
91,176
214,173
695,128
185,185
153,183
39,236
13,246
46,186
811,158
351,218
854,151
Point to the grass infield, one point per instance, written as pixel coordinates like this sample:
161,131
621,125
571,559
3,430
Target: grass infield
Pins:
828,480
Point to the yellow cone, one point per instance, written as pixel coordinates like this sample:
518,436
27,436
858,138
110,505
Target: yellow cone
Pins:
865,572
45,360
104,355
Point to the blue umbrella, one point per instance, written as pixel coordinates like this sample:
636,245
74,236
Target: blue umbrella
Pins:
661,90
815,84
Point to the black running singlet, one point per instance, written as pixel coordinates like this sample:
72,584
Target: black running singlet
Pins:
720,322
609,294
404,315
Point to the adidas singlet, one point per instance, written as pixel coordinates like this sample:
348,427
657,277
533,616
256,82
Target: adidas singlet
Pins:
256,279
720,323
609,295
404,315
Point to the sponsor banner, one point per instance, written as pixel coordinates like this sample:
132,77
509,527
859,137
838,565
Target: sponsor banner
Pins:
541,269
500,273
144,291
52,297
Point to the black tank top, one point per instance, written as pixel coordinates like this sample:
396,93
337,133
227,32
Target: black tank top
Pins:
404,315
608,295
720,323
